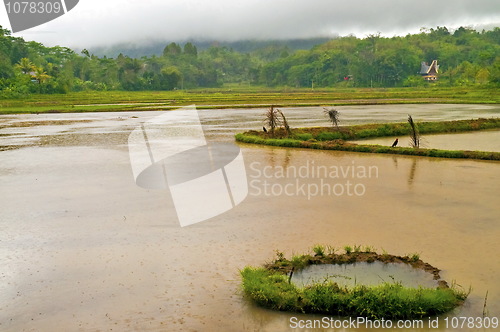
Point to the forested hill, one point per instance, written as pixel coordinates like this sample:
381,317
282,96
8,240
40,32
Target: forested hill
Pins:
245,46
465,56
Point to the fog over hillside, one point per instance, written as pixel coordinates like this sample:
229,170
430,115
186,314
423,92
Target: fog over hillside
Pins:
245,46
94,23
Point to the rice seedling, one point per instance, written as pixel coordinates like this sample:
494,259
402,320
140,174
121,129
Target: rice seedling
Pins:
413,257
319,250
385,254
330,250
369,249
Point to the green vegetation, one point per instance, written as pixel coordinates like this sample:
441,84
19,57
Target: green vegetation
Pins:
240,97
326,139
319,250
466,57
270,287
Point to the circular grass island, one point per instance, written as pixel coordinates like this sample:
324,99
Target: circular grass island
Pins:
271,287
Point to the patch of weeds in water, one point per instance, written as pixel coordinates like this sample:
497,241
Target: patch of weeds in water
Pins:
348,249
280,256
369,249
298,262
319,250
414,257
270,287
330,250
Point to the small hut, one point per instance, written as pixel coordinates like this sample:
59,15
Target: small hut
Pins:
429,72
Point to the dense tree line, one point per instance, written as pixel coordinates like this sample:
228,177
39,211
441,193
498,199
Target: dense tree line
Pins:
466,57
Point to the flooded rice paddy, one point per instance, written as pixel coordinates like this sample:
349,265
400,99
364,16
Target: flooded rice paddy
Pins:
83,248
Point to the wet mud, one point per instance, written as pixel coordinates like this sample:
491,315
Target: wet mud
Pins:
83,248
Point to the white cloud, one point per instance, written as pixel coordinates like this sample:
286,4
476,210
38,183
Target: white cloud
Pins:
95,22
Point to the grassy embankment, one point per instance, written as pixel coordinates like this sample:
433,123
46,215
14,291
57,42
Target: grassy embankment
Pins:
270,287
332,139
234,96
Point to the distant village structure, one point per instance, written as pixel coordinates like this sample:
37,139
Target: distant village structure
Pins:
429,73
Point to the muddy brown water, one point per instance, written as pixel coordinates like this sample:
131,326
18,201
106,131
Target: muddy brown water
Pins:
82,248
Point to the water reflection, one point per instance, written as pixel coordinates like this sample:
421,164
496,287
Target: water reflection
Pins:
395,161
278,156
369,274
413,169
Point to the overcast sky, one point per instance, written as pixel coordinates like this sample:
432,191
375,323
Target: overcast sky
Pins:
106,22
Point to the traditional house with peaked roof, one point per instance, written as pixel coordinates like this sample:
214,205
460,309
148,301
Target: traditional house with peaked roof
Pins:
429,73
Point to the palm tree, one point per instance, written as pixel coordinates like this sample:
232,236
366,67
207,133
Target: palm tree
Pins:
40,75
26,66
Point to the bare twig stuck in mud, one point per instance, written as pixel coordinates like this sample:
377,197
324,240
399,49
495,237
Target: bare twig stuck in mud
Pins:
285,123
484,306
274,120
